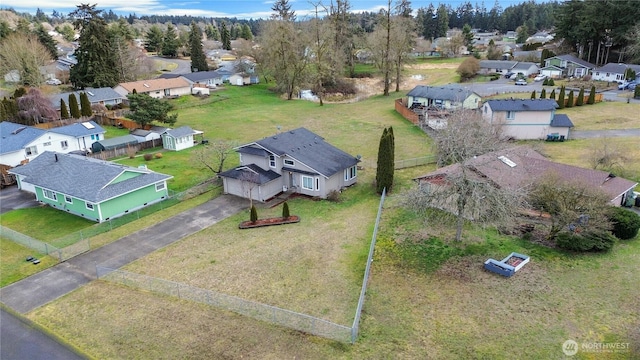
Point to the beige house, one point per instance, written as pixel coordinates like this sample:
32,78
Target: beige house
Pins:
448,97
156,88
528,119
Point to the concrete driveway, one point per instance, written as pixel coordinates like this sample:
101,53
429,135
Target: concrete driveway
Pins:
12,198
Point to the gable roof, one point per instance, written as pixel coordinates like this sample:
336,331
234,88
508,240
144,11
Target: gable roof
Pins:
561,120
79,129
117,141
15,137
144,86
95,95
202,75
531,166
497,64
251,172
523,65
180,132
618,68
308,148
522,104
84,177
574,59
445,92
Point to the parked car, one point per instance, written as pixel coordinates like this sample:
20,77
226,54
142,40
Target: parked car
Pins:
508,75
626,85
632,86
540,77
53,82
521,82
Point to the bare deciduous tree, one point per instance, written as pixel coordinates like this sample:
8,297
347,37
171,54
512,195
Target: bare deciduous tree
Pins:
25,54
249,180
463,191
214,154
607,155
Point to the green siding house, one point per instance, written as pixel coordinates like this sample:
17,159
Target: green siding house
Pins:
94,189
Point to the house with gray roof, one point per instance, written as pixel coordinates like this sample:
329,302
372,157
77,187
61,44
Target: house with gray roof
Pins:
527,119
614,72
296,161
21,143
496,66
102,96
179,139
526,68
520,167
449,97
93,189
566,66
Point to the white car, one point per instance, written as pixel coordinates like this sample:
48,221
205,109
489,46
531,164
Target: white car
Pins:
540,77
53,82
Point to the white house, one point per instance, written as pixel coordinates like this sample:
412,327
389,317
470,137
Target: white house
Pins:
614,72
527,119
156,88
179,139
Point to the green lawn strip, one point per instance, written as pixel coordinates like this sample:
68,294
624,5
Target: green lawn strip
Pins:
13,264
114,131
44,223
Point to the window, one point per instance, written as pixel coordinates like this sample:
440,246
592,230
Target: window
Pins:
307,182
49,194
289,162
93,137
317,184
350,173
89,206
31,150
64,144
511,115
48,143
160,186
272,161
68,199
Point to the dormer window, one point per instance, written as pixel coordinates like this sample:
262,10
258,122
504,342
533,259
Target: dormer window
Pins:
272,161
289,162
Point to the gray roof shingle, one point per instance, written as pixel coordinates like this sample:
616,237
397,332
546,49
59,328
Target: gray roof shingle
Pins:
180,132
84,177
251,172
497,64
522,104
561,120
445,92
309,149
79,130
104,94
574,59
15,137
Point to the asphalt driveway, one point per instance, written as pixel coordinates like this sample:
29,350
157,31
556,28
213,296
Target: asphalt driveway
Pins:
11,198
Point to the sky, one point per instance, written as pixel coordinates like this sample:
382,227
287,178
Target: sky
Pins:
242,9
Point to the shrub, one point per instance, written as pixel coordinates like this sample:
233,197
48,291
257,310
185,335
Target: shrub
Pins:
148,157
254,214
333,196
580,100
587,241
625,223
158,155
551,82
285,210
545,82
592,96
636,92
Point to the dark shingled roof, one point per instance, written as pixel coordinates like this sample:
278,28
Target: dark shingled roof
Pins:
79,130
15,137
84,177
251,172
445,92
572,58
309,149
522,104
180,132
561,120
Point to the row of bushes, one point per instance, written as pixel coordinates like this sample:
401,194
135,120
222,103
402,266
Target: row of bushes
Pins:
625,224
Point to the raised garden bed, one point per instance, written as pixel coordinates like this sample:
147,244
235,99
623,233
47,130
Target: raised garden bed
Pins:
269,221
508,266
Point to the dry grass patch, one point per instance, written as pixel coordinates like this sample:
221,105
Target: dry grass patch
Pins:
604,116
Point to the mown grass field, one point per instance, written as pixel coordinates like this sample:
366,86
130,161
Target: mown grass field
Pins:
427,298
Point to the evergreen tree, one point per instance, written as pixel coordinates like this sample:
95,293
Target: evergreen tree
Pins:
636,93
85,105
553,94
96,62
543,94
10,109
246,32
154,39
285,210
170,43
570,99
561,98
580,100
592,96
73,106
64,112
47,41
533,95
384,172
225,36
468,37
198,58
254,214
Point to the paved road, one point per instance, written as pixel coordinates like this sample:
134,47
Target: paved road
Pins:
592,134
48,285
19,340
184,66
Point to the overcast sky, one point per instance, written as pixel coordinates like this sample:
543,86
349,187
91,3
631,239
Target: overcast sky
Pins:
244,9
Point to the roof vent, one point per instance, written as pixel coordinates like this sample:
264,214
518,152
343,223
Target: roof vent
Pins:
507,161
16,131
145,85
90,93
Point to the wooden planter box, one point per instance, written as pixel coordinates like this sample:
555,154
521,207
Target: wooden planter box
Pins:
269,221
508,266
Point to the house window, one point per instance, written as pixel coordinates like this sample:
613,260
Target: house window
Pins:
93,137
49,194
89,206
272,161
31,150
511,115
160,186
289,162
317,184
48,143
307,182
68,199
64,144
349,173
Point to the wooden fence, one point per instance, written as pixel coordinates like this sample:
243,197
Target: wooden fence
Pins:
407,113
128,150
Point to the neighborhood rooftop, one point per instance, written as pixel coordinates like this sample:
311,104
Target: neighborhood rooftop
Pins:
16,136
95,95
144,86
449,92
522,104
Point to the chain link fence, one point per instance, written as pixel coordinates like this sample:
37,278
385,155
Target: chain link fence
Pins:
28,241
